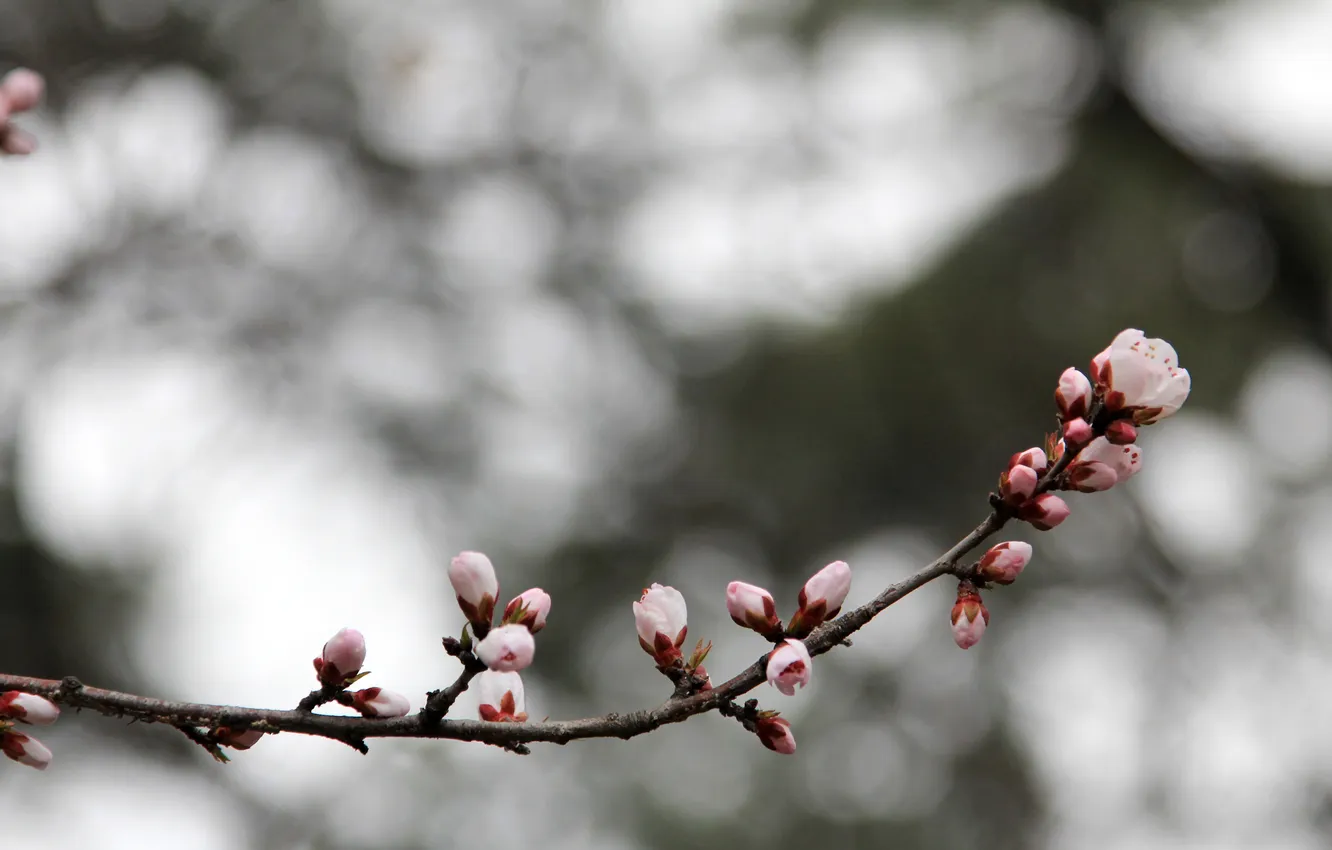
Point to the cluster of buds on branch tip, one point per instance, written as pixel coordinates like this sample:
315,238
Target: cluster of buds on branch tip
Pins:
789,665
1135,381
17,707
505,649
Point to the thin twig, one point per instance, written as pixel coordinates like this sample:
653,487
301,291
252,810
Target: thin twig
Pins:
429,723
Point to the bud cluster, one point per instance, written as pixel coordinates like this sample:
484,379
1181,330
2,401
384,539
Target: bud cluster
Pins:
1135,381
505,649
17,707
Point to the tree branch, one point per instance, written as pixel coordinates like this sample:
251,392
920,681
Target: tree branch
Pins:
429,723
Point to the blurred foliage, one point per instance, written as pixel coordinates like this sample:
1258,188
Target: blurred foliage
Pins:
897,413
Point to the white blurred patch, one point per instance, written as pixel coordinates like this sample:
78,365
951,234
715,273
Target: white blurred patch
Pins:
1243,79
156,138
856,771
119,801
1203,490
292,201
1286,407
499,233
1078,671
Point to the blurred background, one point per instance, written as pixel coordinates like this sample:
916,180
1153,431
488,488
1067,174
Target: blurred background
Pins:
298,299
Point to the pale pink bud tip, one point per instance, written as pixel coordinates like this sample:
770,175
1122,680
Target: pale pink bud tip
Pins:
661,619
1078,433
1141,376
821,598
25,749
378,702
752,607
969,616
1018,484
1005,562
530,608
775,734
474,583
501,697
789,665
29,708
342,657
22,89
1033,457
1044,512
507,649
1073,396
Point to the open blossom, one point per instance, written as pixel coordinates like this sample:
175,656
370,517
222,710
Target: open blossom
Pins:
378,702
501,697
25,749
1142,376
343,655
28,708
507,649
969,616
1073,396
20,91
775,733
1005,562
1044,512
661,619
821,598
474,583
1103,464
789,665
529,608
753,607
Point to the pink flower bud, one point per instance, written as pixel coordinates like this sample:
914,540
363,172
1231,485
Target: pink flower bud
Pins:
1091,476
501,697
22,89
1141,376
1044,512
24,749
789,665
1005,562
753,607
661,619
242,740
473,579
1018,484
530,608
821,598
969,616
775,733
342,658
1033,457
1078,433
1121,432
1073,396
507,649
377,702
28,708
